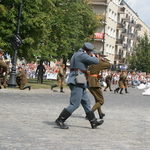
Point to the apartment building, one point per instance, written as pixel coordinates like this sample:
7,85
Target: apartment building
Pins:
120,29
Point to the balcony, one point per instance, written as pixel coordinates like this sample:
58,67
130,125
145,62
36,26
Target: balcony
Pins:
121,10
125,32
127,19
125,46
98,2
132,36
119,41
117,57
120,26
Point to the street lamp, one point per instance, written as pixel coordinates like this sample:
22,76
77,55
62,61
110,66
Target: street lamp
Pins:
16,42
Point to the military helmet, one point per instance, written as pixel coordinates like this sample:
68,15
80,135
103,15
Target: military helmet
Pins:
88,46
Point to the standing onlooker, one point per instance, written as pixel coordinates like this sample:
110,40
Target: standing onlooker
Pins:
40,72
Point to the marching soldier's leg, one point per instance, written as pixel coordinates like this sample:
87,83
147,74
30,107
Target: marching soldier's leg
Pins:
0,83
61,86
75,100
89,113
106,87
116,90
110,87
96,106
64,115
101,114
25,87
93,121
99,99
126,90
61,89
121,91
21,86
53,86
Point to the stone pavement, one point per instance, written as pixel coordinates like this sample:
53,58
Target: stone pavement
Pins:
27,122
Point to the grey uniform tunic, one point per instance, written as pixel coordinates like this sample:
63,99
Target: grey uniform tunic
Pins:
80,60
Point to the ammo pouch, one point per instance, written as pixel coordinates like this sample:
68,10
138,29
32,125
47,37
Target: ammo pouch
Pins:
80,79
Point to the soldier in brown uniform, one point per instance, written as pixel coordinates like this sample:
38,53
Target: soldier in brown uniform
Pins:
21,79
3,71
60,78
94,84
121,82
126,83
108,82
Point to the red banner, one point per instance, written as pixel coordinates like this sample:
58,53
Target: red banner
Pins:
98,35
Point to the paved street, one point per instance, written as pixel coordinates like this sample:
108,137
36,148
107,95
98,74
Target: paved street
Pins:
27,122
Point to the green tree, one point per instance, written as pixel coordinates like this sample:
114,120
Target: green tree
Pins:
49,28
140,60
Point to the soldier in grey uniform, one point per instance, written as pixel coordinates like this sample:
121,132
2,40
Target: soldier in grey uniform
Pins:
78,65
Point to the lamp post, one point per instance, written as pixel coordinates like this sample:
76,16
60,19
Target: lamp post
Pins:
16,42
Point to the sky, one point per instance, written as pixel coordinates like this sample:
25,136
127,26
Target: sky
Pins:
142,8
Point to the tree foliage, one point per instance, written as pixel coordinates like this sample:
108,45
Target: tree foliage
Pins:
49,28
140,60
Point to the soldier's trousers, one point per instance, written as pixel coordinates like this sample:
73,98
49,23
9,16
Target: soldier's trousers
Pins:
98,96
78,96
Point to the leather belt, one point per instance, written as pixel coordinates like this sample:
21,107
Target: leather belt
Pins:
77,69
93,75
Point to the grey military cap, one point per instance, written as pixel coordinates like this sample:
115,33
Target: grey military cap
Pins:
88,46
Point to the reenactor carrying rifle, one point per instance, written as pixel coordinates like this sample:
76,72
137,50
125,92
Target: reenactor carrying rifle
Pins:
94,84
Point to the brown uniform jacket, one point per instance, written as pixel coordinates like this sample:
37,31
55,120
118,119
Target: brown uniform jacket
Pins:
3,66
122,81
22,77
94,70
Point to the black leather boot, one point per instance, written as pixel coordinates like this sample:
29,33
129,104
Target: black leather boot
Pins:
62,118
121,91
53,86
126,90
61,90
101,115
29,87
116,90
93,120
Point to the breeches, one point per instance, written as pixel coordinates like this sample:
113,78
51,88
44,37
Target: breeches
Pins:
98,95
78,96
60,82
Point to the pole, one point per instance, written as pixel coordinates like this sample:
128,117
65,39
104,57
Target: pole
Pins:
16,41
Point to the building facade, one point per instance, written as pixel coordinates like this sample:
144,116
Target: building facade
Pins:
119,31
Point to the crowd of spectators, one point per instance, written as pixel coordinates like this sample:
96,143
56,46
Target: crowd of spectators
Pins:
134,78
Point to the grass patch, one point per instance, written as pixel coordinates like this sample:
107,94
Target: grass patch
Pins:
46,84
